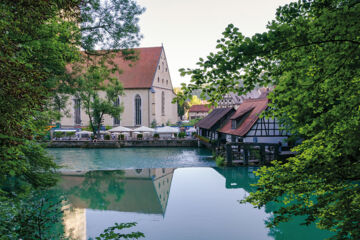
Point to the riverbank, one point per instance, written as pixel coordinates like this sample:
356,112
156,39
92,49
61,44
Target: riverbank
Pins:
122,144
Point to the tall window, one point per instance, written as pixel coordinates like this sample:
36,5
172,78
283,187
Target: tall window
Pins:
117,119
162,103
77,111
137,110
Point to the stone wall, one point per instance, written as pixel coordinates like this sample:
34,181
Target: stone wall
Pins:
128,143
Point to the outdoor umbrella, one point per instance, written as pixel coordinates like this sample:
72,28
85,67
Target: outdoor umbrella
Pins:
143,129
167,129
190,130
120,129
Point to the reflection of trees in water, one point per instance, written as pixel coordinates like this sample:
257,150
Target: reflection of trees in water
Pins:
294,229
243,177
36,216
97,186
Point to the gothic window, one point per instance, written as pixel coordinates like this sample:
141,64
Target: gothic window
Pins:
117,119
137,110
162,103
77,111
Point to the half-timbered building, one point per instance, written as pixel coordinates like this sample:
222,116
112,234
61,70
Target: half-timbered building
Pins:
246,125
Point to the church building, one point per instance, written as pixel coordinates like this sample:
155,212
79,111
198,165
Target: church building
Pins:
148,93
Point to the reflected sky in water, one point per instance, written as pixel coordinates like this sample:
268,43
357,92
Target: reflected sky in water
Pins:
168,203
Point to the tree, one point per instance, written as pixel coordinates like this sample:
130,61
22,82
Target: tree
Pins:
311,54
38,39
35,45
91,87
194,100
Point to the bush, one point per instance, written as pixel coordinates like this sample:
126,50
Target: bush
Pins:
139,136
153,124
121,137
182,135
58,134
70,134
107,137
175,135
220,161
156,135
193,134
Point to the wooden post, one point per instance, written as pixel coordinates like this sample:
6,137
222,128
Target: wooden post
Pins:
277,153
229,154
262,154
246,153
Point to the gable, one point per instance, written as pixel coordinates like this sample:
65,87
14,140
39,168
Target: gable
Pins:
255,107
141,73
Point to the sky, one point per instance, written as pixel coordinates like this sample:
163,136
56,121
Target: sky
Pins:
188,29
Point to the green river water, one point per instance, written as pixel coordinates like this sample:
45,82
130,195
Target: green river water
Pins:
171,193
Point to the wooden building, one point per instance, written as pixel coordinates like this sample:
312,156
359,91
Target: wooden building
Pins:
208,126
198,111
246,125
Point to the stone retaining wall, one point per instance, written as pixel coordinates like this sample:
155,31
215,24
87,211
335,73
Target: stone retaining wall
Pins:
127,143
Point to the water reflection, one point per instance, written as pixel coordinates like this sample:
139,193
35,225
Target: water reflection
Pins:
139,191
241,177
169,203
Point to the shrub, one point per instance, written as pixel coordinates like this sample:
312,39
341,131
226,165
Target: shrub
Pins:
107,137
121,137
58,134
153,124
70,134
139,136
220,161
156,135
182,135
193,134
175,134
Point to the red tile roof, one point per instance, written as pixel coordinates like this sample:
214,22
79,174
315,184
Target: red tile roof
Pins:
199,108
255,106
141,73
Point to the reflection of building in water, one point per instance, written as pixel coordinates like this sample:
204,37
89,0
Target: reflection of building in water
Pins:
74,223
138,190
238,177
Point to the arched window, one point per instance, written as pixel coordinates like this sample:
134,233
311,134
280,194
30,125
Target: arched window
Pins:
137,110
77,111
162,103
117,119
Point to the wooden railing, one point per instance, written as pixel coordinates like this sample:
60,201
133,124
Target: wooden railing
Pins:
250,153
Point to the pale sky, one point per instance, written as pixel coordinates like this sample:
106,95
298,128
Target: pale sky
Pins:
188,29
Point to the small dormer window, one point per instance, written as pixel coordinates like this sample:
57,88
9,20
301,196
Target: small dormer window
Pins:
233,124
167,81
158,79
159,67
